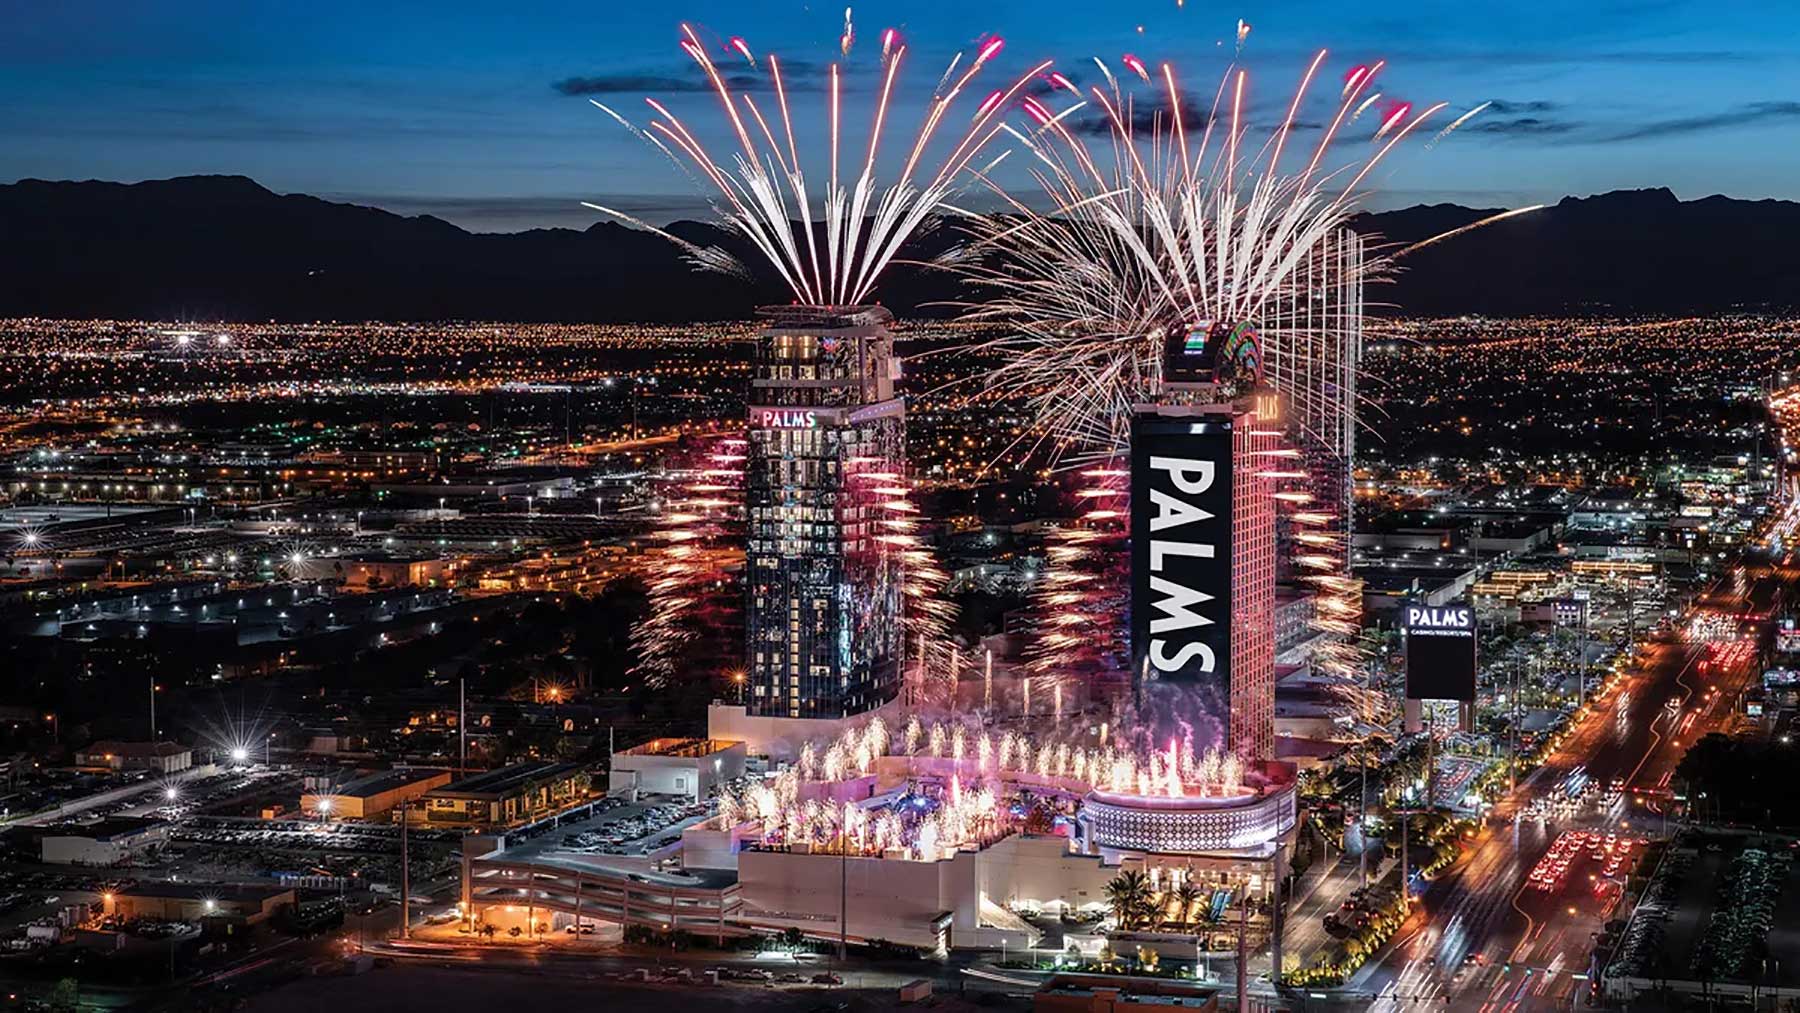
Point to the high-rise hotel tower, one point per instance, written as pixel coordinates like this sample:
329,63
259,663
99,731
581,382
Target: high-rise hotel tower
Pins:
825,503
1203,540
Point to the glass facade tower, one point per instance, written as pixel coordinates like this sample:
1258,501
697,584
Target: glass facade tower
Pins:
824,497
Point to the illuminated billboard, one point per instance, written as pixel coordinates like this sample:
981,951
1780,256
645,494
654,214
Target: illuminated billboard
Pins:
1440,652
1181,545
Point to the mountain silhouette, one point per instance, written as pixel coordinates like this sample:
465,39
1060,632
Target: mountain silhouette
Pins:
226,248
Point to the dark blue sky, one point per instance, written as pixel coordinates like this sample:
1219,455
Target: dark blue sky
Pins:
451,107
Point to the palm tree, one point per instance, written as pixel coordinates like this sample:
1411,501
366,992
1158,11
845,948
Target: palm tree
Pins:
1129,896
1186,896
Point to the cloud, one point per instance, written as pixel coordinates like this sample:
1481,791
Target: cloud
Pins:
1507,107
1041,87
796,76
1143,118
611,84
1537,126
1739,116
511,214
1522,58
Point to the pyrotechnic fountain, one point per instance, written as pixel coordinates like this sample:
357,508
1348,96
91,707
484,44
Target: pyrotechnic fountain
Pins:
693,593
950,784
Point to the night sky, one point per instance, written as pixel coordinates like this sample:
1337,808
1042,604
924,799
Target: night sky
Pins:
477,111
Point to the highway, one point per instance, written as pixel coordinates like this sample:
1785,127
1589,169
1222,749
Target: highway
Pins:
1489,940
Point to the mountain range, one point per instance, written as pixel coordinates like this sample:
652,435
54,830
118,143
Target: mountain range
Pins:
225,248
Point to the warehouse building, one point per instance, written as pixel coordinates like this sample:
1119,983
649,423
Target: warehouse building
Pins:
370,795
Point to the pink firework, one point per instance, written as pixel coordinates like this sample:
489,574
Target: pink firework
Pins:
761,191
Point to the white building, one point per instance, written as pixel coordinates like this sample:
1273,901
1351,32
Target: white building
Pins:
107,842
686,767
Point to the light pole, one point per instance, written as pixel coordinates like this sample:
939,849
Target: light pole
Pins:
405,875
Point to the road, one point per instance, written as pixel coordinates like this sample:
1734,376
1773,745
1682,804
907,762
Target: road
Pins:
1490,942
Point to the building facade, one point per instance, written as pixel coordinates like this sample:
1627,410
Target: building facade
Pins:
1203,561
508,796
693,768
1312,353
826,454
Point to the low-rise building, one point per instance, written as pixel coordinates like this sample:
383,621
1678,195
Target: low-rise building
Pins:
187,902
509,795
382,569
161,757
371,795
108,842
688,767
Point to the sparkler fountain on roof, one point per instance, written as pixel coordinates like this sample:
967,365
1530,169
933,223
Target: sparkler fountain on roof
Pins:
964,779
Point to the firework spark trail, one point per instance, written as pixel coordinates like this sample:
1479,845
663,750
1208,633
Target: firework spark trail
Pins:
927,616
1459,121
760,187
1472,226
1081,594
690,572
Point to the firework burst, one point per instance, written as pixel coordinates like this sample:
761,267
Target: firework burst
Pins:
761,191
1171,226
1168,227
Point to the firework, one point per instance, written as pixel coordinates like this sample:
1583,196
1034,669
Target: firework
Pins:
761,188
1081,594
1472,226
1459,121
1168,226
692,571
963,783
1159,232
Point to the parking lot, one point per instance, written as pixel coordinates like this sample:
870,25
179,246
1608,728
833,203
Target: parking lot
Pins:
631,829
310,835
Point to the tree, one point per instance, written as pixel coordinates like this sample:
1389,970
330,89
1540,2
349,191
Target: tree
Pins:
1129,896
1186,896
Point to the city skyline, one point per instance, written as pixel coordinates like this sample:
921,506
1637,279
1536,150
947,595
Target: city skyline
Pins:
1067,530
482,119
